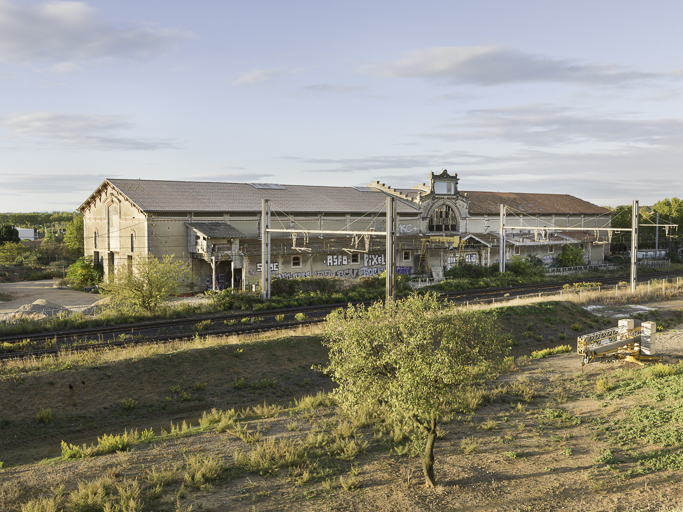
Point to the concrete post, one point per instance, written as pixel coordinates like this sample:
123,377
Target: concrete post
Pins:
501,264
634,246
391,253
648,335
265,249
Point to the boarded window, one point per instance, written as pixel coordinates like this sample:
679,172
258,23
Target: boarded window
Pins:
443,219
296,261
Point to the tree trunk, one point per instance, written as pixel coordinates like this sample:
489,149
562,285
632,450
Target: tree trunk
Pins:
428,459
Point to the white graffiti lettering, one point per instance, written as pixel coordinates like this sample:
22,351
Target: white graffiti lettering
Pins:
337,260
373,259
323,273
274,267
405,229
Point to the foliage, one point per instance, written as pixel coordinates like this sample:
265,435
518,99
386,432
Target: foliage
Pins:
74,237
412,356
85,273
148,284
529,266
16,253
8,234
570,257
547,352
468,270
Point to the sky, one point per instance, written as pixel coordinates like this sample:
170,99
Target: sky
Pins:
582,97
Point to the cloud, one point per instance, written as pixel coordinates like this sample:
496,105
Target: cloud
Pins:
239,177
497,65
545,126
259,76
78,131
65,31
332,88
18,184
370,163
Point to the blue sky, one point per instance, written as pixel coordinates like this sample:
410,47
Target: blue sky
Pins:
582,98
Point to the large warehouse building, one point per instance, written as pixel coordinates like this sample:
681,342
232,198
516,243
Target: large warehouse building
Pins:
216,227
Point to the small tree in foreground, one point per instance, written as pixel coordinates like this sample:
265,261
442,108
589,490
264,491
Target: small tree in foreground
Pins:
148,284
85,272
415,357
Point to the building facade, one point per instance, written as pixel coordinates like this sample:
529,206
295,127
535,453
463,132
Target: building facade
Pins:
216,227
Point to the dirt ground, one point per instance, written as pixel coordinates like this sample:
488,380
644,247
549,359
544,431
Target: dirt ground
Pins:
523,460
26,292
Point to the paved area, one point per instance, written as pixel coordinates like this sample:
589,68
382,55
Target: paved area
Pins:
26,292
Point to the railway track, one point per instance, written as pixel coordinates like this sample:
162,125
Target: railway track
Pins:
157,331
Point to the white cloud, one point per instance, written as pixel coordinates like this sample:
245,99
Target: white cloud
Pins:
65,31
259,76
18,184
545,126
497,65
332,88
70,131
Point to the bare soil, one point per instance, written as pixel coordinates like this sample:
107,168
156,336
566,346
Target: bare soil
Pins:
523,462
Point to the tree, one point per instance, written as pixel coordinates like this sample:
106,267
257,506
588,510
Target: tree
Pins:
414,357
74,237
571,256
84,273
8,234
16,252
148,284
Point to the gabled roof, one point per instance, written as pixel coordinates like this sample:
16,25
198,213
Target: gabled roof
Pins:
196,196
216,229
488,203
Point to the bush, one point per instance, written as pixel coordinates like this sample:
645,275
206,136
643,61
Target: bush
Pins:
525,267
84,273
571,257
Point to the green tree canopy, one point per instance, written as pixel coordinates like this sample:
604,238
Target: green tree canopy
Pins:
8,234
74,237
571,257
148,284
414,357
84,273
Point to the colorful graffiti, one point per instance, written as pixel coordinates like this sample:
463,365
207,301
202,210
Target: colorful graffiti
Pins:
404,271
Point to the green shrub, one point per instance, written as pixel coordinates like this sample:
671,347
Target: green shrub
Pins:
44,416
84,273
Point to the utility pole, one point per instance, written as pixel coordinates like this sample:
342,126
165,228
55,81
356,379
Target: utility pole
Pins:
265,249
657,236
391,256
501,264
634,245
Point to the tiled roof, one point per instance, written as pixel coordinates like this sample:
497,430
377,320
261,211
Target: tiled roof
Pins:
193,196
534,204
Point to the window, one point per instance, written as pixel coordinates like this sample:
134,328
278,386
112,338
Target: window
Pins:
444,187
551,249
518,249
296,261
94,239
132,242
443,219
354,258
406,255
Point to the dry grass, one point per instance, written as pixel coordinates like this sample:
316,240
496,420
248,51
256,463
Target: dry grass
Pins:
70,360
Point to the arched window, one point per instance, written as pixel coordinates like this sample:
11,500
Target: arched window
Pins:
443,218
132,242
94,239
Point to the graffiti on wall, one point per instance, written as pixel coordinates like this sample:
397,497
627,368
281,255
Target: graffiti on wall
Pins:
406,229
323,273
404,271
370,260
293,275
452,260
274,267
337,260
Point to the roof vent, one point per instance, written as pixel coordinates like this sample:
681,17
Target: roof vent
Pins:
268,186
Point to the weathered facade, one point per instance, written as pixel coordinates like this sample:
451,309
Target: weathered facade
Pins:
215,227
